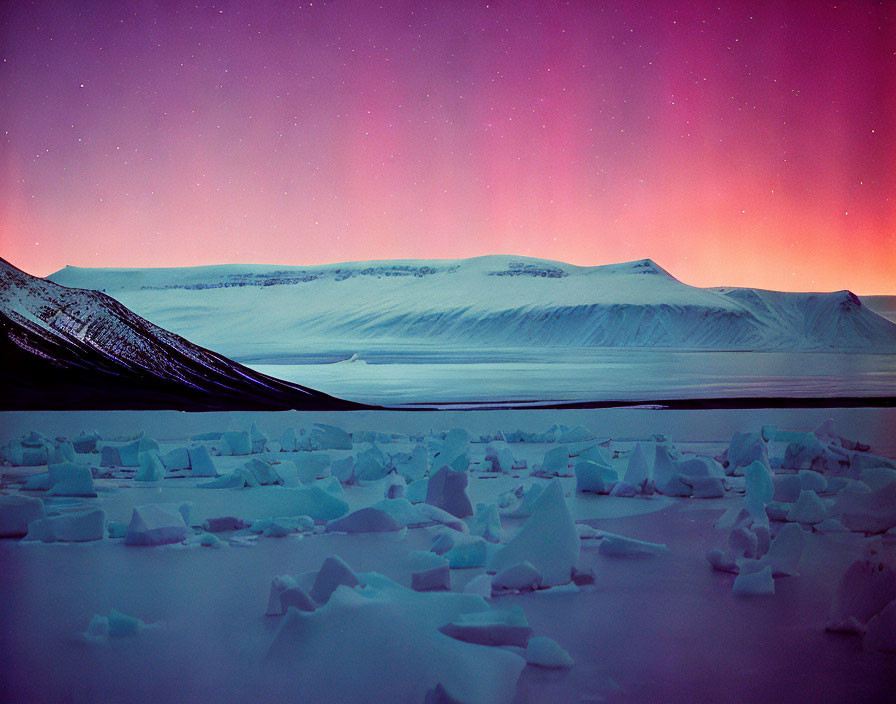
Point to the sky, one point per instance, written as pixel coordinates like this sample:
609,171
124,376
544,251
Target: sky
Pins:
734,143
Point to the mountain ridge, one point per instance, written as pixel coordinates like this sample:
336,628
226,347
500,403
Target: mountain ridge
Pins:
65,347
498,300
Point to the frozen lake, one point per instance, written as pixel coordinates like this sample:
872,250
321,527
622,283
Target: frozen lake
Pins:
661,628
583,374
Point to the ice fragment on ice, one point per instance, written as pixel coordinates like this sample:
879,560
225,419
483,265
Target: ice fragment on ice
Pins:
447,490
546,652
16,512
548,539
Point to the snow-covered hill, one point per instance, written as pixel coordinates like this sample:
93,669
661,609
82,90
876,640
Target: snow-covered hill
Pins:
254,311
70,348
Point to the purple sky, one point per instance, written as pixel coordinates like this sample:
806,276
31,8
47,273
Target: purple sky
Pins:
735,143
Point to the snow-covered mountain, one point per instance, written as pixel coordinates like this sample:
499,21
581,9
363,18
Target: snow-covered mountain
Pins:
255,311
71,348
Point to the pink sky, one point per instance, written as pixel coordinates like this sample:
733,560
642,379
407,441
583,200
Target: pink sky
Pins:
733,143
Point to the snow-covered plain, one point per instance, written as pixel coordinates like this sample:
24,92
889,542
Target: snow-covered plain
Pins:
186,621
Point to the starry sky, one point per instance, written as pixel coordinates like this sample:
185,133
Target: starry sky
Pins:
735,143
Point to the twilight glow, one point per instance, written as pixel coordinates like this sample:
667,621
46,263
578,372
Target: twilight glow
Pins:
734,143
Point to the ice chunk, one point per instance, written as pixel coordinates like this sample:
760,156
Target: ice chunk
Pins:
414,466
176,460
333,573
61,451
880,634
279,585
785,550
364,520
760,583
491,628
878,477
545,652
467,553
453,451
624,489
116,529
548,539
704,487
703,467
812,481
808,452
151,468
744,542
523,576
665,476
288,440
486,522
620,546
236,442
860,461
116,625
447,490
759,490
70,479
344,470
500,459
434,579
370,465
416,491
78,527
201,464
157,524
238,479
720,561
221,524
576,434
527,503
257,439
329,437
311,466
263,473
129,453
437,515
787,488
404,512
808,508
396,487
296,598
869,512
16,512
110,457
864,591
830,525
480,585
85,442
746,448
556,462
586,532
593,477
392,669
97,630
121,625
278,527
31,450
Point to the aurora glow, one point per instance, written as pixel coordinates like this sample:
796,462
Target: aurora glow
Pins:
737,143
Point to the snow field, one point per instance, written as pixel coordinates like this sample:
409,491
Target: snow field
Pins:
551,565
